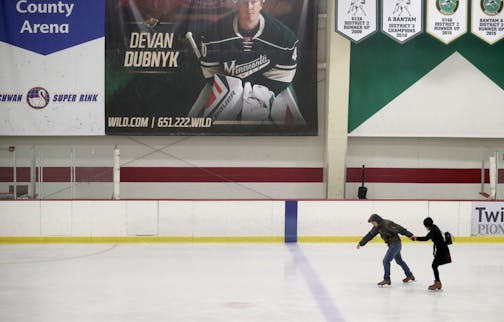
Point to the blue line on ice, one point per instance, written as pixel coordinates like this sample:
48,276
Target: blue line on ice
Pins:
317,288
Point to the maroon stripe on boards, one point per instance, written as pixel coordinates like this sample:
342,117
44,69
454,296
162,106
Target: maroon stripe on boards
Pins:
418,175
170,174
251,174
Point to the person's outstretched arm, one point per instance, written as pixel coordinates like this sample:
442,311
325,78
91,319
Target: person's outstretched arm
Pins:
425,238
370,235
403,231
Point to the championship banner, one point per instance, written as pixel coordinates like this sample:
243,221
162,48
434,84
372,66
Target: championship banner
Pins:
402,19
211,67
487,218
446,19
356,19
51,80
488,20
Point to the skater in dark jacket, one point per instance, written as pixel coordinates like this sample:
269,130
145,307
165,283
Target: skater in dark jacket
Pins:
389,231
441,251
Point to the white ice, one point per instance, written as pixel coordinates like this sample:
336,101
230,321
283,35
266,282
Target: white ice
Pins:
244,282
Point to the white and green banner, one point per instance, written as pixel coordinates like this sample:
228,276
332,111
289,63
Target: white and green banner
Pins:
488,20
446,20
402,19
356,19
408,84
424,88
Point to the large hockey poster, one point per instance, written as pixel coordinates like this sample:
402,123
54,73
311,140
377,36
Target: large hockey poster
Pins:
211,67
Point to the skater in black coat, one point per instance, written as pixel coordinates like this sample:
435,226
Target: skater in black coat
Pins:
441,251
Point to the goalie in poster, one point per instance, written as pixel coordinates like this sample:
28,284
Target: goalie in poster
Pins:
259,55
217,67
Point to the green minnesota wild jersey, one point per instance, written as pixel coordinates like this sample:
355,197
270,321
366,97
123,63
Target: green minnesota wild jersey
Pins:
268,57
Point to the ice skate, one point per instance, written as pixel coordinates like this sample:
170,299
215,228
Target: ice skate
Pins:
436,286
384,282
408,278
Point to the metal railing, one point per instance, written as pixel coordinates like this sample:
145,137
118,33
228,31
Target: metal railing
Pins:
56,172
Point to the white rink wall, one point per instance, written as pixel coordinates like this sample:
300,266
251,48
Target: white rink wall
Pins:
200,218
142,217
349,218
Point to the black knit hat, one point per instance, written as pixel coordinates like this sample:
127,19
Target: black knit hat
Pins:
428,222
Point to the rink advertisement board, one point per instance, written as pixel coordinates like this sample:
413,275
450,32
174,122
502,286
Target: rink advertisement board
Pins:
213,67
51,71
487,219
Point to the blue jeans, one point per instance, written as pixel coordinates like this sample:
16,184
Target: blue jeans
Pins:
394,252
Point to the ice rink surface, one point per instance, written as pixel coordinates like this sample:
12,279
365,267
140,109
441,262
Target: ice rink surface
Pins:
244,282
